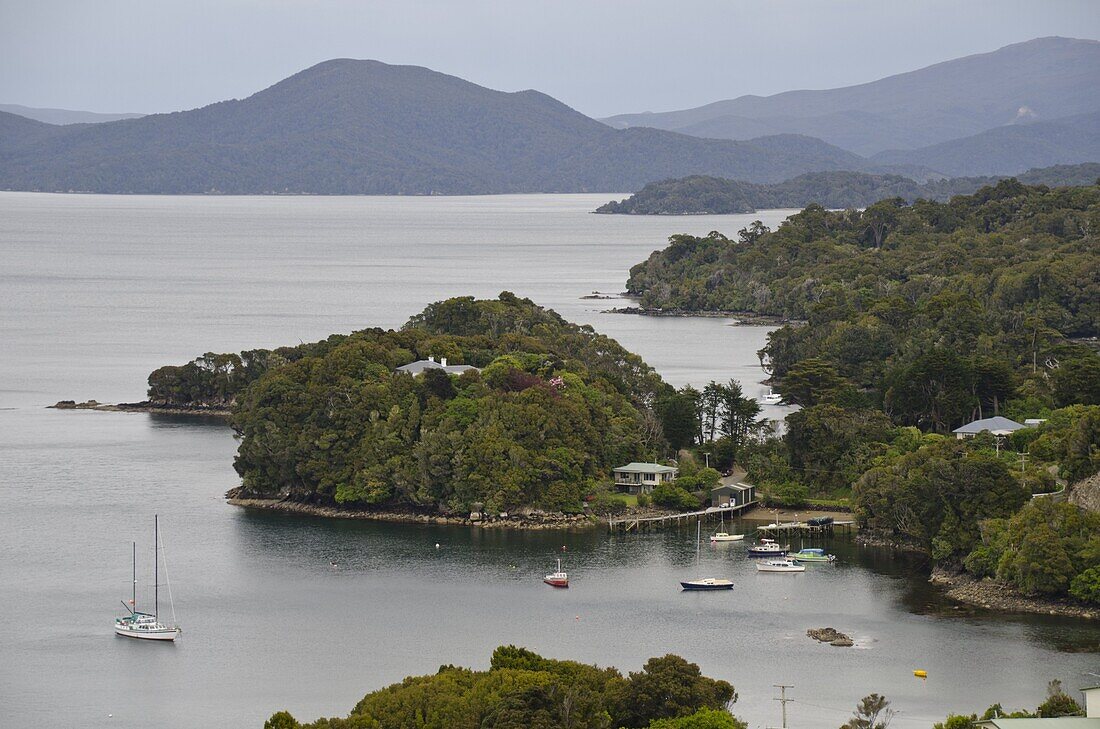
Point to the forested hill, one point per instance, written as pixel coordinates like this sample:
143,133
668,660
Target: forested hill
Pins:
365,127
834,190
553,409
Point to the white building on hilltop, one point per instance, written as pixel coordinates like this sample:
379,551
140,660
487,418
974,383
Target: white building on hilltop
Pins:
418,367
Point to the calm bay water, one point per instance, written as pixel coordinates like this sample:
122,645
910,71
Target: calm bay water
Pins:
95,291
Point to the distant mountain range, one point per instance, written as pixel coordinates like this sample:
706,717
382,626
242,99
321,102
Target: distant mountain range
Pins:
1007,150
64,116
1040,80
365,127
700,195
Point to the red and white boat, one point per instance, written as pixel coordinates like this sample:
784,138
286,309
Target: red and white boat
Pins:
557,579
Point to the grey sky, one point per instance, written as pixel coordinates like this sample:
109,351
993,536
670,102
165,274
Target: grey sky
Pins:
599,57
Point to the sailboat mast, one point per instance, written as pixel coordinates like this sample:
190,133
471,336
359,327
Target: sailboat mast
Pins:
133,600
156,567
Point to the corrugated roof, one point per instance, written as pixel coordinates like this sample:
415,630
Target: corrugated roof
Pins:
994,424
645,468
1062,722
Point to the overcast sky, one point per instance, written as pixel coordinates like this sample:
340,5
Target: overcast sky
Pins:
601,57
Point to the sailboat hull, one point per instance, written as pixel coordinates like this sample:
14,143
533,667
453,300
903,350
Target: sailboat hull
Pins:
152,634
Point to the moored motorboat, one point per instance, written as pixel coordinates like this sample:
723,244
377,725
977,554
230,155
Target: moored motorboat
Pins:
779,565
726,537
772,398
813,555
558,578
768,548
707,583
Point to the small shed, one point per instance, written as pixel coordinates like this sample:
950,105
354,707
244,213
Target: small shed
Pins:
995,425
732,494
641,478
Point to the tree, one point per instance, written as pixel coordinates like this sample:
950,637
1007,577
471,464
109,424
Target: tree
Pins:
872,712
705,719
281,720
1058,703
667,688
809,382
1086,586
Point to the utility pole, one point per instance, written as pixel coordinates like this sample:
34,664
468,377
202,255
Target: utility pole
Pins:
783,699
1023,461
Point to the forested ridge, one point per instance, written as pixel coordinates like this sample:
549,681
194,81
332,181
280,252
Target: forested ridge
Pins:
700,194
917,319
554,407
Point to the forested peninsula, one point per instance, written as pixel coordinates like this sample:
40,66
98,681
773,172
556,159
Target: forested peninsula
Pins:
919,319
540,415
702,195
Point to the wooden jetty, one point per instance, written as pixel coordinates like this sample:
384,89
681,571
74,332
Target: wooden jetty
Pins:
802,529
646,523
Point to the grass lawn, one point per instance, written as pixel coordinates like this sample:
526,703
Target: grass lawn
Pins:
631,500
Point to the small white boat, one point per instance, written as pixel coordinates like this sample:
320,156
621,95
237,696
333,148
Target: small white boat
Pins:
772,398
557,579
723,536
779,565
147,626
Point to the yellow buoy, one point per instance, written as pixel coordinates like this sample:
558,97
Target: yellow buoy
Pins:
920,674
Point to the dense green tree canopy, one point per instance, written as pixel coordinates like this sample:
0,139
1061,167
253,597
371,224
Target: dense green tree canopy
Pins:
522,690
554,407
937,312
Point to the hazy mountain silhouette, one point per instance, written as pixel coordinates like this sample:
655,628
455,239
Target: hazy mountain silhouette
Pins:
64,116
1040,80
347,126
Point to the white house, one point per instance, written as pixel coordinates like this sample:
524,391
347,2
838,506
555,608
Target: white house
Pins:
995,425
1091,719
418,367
641,478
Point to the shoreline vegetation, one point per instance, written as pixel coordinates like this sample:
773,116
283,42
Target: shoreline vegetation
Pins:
741,318
146,406
990,594
701,195
921,319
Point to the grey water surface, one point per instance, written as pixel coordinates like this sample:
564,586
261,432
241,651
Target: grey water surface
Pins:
96,291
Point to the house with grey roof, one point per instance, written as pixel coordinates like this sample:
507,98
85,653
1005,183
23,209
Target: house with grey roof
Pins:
418,367
995,425
1091,719
641,478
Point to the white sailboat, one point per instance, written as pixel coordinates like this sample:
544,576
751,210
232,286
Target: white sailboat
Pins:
705,583
723,536
147,626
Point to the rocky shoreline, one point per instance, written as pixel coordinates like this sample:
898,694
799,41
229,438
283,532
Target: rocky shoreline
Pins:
143,407
742,318
992,595
870,538
527,521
